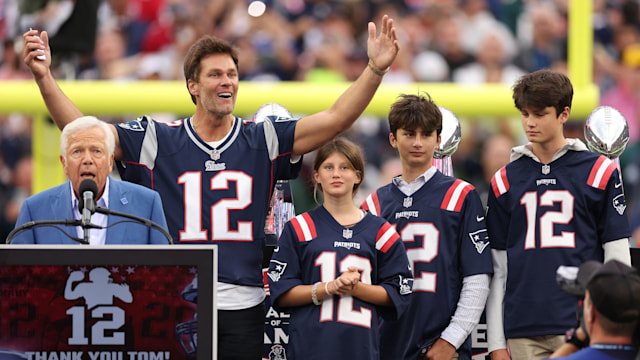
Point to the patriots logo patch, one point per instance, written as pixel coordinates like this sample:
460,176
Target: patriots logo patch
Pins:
132,125
406,285
279,269
278,352
277,118
620,204
480,239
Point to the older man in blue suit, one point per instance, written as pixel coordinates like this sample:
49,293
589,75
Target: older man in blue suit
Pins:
87,146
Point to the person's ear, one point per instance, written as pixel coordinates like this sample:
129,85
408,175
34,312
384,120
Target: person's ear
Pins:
64,164
193,87
393,141
564,115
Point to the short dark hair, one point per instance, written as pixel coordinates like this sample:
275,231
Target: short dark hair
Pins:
205,46
541,89
415,111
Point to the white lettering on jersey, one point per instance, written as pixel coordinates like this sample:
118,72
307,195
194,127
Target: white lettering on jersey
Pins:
347,245
546,182
211,165
407,214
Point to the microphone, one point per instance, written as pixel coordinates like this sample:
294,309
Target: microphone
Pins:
88,190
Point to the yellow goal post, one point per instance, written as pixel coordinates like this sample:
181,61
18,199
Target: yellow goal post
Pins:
134,98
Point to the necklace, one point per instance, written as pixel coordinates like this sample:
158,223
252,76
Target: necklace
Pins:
347,233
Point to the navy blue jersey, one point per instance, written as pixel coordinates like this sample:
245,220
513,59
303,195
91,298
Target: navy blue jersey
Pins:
443,229
314,248
212,195
545,216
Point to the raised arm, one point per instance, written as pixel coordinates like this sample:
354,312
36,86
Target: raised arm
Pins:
61,109
314,130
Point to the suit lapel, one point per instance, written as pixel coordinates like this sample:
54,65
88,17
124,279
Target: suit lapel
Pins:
117,233
60,204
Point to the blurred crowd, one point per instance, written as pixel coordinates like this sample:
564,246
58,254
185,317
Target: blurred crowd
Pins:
461,41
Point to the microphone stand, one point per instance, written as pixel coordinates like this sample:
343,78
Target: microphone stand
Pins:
67,222
139,219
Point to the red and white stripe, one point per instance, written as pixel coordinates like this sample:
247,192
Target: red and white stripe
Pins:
372,204
500,182
387,236
304,227
455,196
601,172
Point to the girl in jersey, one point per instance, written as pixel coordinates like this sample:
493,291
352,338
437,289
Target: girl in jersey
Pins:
337,268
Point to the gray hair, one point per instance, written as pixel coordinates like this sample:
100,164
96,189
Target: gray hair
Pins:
82,123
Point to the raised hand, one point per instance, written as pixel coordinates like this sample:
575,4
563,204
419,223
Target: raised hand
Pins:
34,46
382,49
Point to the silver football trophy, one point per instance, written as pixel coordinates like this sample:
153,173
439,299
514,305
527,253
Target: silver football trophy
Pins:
450,139
281,204
607,133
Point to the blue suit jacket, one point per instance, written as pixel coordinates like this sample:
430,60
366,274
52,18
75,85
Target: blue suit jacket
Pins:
125,197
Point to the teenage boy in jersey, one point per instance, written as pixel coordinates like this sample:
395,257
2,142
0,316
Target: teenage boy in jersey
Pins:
555,203
441,222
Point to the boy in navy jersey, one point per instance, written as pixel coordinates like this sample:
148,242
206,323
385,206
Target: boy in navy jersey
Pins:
215,172
441,222
554,204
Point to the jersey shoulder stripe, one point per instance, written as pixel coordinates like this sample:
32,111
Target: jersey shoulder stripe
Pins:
500,182
601,172
372,203
454,198
271,138
387,236
304,227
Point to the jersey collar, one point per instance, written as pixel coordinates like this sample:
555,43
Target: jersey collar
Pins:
234,131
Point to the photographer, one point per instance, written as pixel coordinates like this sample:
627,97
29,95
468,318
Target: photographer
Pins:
611,310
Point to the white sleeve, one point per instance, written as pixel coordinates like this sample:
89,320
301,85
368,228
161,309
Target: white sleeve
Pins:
495,302
617,249
473,297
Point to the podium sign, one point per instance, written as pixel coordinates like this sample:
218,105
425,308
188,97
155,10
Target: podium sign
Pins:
108,302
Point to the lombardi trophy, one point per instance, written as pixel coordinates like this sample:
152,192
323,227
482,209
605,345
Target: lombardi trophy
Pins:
450,138
281,204
606,132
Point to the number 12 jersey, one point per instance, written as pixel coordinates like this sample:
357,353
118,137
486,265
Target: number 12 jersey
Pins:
213,194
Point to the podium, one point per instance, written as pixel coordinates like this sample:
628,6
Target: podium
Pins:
108,302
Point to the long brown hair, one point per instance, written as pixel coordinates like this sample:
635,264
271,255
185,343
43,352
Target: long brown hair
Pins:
347,148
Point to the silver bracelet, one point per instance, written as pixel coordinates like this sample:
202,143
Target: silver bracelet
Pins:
314,293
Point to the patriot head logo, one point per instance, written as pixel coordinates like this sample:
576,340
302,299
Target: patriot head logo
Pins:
135,125
620,204
480,239
278,270
277,353
406,285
